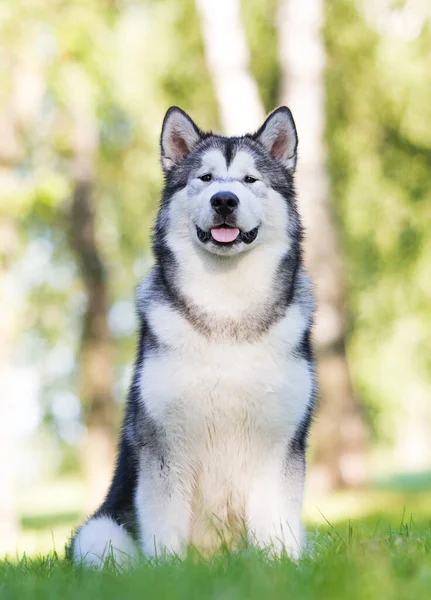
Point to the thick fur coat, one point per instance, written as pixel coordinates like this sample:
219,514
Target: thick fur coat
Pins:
214,436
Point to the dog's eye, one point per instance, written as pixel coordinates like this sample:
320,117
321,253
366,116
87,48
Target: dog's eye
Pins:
206,177
249,179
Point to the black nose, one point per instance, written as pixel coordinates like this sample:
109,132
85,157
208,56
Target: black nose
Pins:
224,203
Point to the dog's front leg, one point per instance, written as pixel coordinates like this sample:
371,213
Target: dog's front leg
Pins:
274,506
162,504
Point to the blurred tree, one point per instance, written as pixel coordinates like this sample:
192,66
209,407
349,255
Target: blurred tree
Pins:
96,75
13,115
339,436
56,146
8,512
379,136
89,182
81,65
96,357
228,59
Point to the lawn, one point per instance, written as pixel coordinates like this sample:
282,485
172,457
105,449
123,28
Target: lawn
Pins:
364,545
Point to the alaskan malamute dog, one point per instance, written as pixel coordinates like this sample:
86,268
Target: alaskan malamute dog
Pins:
214,436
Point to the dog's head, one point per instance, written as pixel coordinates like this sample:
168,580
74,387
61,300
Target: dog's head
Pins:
227,195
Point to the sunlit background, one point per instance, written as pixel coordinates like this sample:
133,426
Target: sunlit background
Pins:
84,85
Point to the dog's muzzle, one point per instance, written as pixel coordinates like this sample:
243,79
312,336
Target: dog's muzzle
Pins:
224,203
243,236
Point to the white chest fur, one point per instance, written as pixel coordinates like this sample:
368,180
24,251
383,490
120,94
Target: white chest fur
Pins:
199,378
225,406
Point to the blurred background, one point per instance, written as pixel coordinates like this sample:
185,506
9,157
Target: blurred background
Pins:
84,85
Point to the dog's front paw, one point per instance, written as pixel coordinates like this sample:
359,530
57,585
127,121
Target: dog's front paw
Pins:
280,541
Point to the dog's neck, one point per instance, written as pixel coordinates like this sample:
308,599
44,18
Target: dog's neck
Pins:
237,296
228,286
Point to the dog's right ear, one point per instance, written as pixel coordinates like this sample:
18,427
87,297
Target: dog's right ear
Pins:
179,136
278,135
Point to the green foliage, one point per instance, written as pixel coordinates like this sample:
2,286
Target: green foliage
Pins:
123,64
379,138
117,68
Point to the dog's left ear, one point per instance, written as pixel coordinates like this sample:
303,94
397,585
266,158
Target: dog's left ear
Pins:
179,136
278,136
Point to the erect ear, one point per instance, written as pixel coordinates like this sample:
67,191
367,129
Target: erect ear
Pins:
179,136
278,136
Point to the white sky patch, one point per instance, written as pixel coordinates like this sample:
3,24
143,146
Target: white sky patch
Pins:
122,318
72,432
67,412
24,413
60,362
60,277
35,264
402,20
66,407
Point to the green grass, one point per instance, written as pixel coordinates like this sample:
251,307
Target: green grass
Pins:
350,561
362,545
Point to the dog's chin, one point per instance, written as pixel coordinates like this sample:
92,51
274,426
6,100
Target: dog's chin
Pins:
226,240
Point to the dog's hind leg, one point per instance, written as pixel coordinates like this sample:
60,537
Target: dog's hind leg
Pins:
107,537
102,541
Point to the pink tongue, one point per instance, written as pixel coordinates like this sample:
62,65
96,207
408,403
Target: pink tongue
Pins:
223,234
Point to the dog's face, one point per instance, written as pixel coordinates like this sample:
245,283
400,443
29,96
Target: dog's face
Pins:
227,195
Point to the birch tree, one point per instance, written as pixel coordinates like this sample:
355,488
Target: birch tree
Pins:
339,432
228,59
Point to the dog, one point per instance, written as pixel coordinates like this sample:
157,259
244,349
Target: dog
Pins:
215,431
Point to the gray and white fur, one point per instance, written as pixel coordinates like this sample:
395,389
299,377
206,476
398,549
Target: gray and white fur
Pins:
214,436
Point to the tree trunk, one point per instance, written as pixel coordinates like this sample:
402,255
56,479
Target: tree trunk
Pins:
339,435
227,56
96,361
